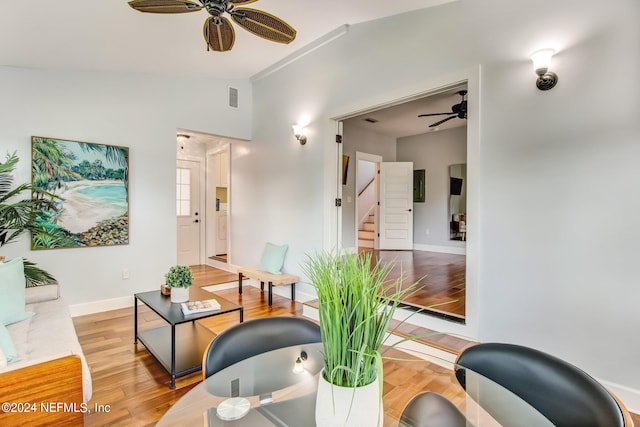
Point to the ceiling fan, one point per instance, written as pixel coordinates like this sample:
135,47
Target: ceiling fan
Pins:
457,110
218,32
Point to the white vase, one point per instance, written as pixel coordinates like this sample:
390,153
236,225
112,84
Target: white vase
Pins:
348,407
179,294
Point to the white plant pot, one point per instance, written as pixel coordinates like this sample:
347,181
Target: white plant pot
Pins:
179,294
349,407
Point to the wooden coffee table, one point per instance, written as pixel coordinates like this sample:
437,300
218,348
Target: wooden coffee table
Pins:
179,346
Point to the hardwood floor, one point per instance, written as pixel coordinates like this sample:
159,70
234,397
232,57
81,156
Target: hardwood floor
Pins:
135,387
128,379
441,277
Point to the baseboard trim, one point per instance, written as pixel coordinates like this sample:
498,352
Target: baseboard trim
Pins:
100,306
629,396
440,249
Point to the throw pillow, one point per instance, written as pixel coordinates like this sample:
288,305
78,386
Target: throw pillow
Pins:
12,289
272,259
6,345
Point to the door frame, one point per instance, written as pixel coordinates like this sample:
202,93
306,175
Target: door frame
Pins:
373,158
213,262
399,95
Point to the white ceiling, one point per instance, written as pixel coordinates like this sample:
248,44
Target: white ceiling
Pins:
402,120
109,35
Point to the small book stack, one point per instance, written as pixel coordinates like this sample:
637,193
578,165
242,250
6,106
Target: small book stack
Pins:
193,307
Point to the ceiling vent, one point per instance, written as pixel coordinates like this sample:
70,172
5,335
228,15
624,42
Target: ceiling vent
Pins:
370,120
233,97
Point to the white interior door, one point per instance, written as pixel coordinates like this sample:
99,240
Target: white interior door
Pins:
187,210
396,205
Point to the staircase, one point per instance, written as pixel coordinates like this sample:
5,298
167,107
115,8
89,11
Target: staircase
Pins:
366,232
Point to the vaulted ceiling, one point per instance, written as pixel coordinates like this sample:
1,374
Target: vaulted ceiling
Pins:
111,36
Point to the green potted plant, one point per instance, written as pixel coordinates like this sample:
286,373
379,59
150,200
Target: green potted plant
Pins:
179,278
19,215
356,305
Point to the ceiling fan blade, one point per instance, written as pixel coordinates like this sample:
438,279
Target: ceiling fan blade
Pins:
442,121
165,6
219,34
434,114
240,2
264,25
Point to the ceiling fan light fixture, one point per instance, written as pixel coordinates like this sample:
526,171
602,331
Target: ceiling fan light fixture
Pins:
457,111
218,32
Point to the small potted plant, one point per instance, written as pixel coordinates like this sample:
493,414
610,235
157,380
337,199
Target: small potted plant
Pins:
179,278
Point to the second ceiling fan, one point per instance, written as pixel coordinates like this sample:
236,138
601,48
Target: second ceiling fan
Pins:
218,32
457,111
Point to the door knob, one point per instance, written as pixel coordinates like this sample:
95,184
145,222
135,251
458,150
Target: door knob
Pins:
408,210
196,220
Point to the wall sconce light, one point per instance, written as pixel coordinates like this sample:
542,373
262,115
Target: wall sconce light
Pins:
300,133
182,139
541,62
298,367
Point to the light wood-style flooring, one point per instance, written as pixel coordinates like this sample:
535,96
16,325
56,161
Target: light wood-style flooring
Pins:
136,387
441,278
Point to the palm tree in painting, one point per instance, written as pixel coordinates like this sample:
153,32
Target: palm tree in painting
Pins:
117,155
52,164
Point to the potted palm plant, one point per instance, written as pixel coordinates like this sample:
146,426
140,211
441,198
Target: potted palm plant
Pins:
356,305
179,278
19,215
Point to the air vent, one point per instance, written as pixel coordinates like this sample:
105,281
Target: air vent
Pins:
233,97
370,120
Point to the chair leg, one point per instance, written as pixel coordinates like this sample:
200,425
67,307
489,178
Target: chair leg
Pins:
270,293
262,286
240,283
293,292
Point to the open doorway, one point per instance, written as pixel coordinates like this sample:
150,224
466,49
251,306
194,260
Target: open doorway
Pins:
366,200
203,199
430,132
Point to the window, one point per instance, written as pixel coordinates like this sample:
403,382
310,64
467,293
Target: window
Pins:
183,192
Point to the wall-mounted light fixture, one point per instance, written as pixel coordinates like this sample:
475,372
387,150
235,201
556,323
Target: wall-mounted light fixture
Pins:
300,133
298,367
541,62
182,139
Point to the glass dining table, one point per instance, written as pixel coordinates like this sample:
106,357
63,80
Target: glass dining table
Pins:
270,392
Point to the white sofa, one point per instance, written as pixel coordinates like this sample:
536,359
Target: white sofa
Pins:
52,365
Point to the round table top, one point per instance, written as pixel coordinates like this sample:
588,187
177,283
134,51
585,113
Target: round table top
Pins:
277,396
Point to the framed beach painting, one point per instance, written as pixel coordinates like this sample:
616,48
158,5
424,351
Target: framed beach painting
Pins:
90,185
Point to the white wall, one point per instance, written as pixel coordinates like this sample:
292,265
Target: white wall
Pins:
434,152
557,173
138,111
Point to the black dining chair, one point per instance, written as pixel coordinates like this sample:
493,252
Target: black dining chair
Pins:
430,409
254,337
563,393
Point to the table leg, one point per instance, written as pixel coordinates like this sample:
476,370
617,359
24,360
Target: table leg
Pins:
262,286
240,283
135,320
270,293
173,357
241,314
293,292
